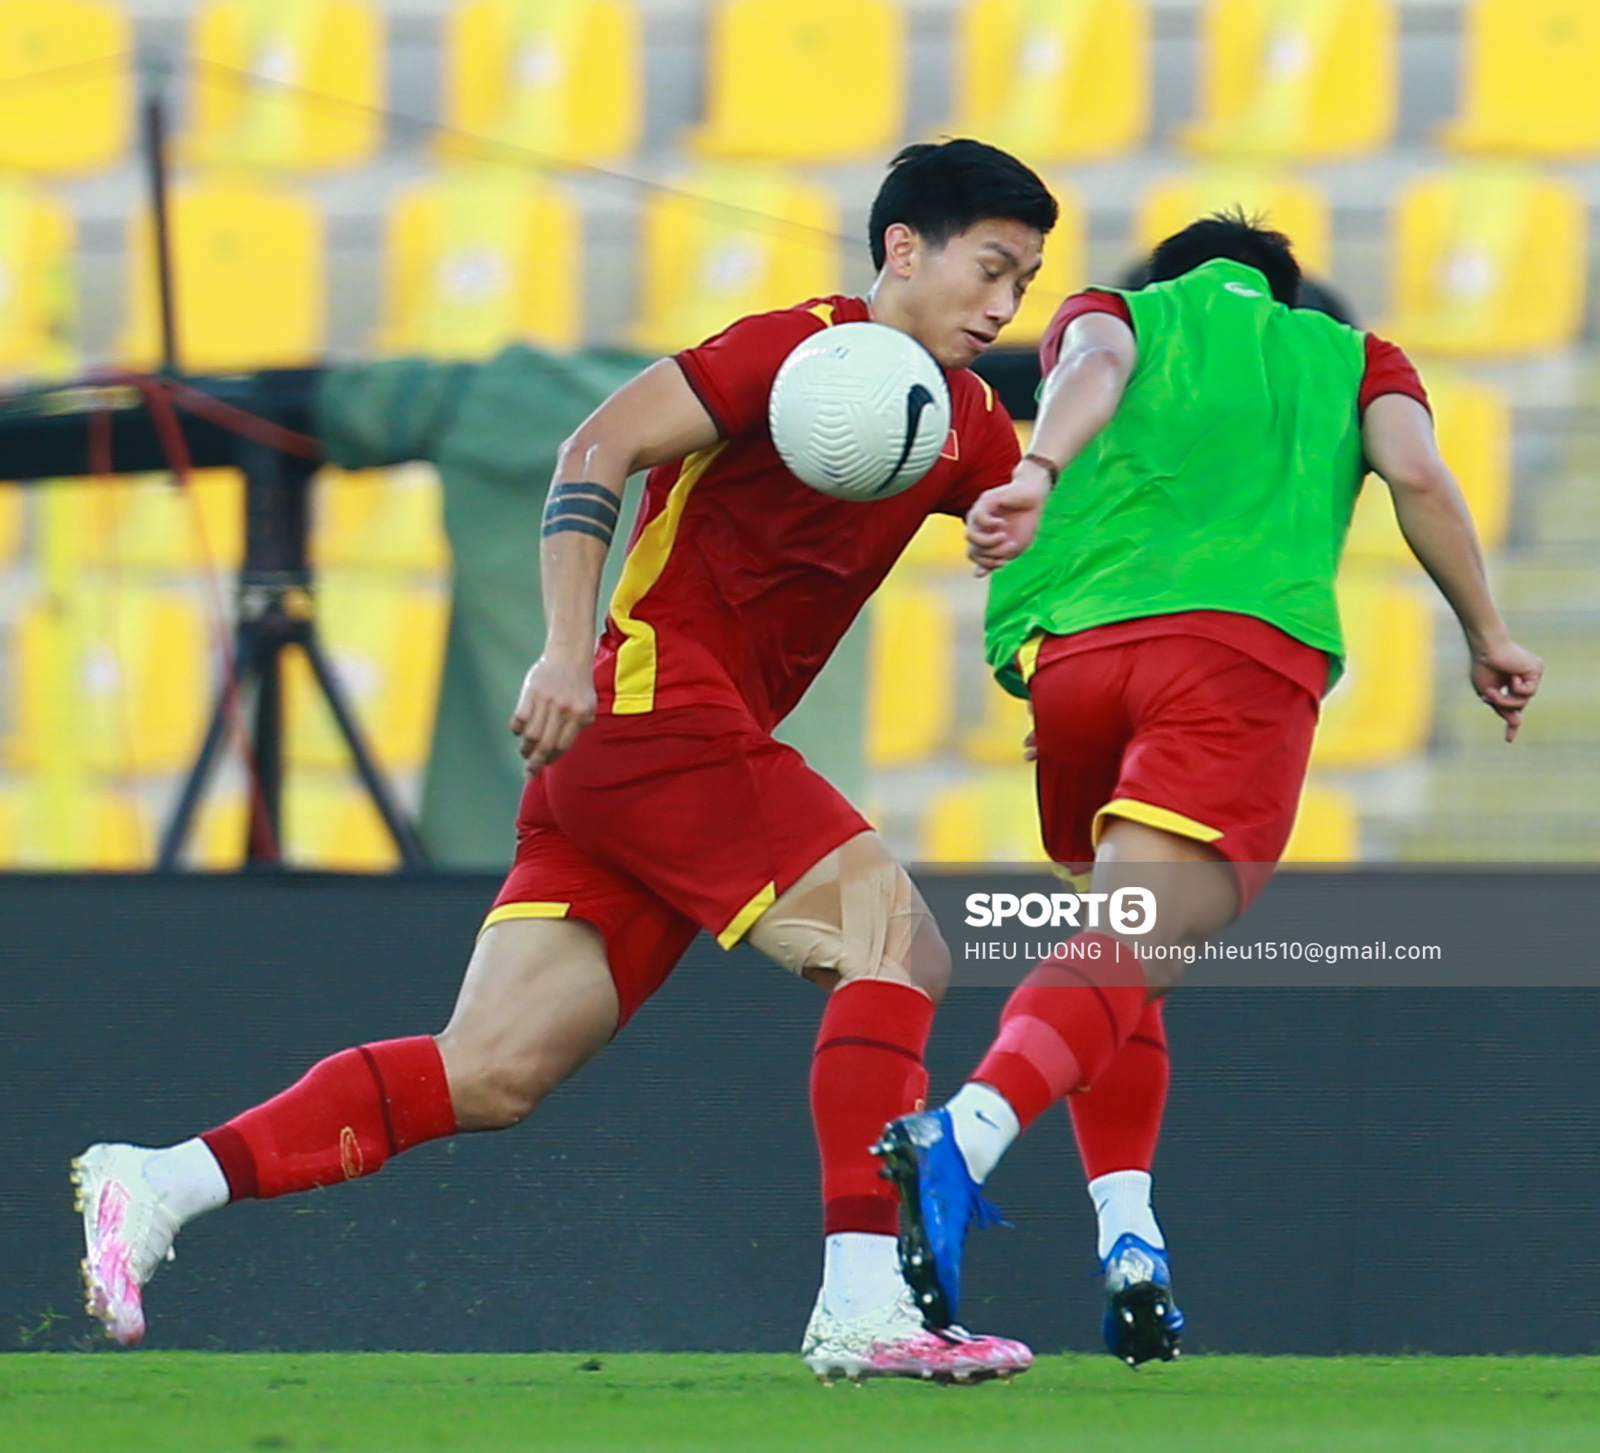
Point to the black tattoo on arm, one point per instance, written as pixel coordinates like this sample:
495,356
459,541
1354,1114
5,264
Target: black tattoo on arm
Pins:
584,508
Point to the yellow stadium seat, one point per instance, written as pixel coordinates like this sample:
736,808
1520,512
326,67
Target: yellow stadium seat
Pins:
478,259
998,737
822,81
1488,259
386,643
74,825
1327,828
992,818
385,520
1054,80
65,91
728,241
560,78
146,523
1296,78
1473,422
1528,79
13,522
1297,208
38,295
1380,712
1063,272
328,823
940,545
333,826
286,84
250,290
217,837
114,679
911,664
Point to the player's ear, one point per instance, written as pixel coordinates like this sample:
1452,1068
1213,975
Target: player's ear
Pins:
900,247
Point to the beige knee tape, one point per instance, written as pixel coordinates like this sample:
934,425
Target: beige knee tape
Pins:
855,912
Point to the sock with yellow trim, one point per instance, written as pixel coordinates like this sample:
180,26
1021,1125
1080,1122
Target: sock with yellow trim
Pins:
1063,1025
344,1118
866,1071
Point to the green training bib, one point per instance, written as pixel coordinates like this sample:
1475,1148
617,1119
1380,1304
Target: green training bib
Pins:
1225,482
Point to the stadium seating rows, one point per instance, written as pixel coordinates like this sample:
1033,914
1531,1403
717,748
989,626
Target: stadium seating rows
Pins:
300,85
1489,259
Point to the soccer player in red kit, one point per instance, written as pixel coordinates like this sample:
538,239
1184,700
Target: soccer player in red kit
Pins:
1169,611
659,804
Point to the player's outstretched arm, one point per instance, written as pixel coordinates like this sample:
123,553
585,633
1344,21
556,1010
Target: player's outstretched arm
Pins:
1397,433
652,419
1080,397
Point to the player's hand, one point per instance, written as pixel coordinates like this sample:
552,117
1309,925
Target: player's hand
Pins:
1002,524
557,702
1505,676
1030,747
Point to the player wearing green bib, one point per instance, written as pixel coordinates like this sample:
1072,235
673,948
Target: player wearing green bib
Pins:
1167,605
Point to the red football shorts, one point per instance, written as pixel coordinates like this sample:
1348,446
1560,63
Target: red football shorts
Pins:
1179,732
655,826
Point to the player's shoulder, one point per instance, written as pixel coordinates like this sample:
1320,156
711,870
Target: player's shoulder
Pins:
801,319
835,308
732,371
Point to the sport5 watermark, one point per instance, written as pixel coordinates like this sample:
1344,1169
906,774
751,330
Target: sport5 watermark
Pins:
1128,910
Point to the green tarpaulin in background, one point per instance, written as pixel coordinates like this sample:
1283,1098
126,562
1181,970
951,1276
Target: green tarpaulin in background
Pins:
492,430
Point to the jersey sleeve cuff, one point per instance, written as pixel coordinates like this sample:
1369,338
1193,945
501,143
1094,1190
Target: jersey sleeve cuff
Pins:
701,387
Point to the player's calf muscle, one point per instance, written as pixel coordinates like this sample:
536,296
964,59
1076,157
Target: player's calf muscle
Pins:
536,1003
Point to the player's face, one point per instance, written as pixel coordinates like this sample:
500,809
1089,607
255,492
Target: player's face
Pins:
955,299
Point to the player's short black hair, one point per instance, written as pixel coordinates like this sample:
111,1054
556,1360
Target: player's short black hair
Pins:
1234,235
939,189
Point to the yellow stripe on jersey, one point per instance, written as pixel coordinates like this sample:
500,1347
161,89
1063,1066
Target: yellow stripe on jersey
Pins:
635,690
823,311
508,911
1152,816
988,393
745,919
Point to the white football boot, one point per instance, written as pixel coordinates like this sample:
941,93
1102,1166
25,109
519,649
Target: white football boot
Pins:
127,1233
891,1341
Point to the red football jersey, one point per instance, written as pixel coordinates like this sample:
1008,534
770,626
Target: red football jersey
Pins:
739,579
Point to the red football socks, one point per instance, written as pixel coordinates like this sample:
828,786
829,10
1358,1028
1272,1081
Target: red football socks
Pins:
1063,1025
343,1119
867,1069
1118,1120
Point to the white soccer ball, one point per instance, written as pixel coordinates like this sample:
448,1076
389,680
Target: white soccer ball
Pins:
859,411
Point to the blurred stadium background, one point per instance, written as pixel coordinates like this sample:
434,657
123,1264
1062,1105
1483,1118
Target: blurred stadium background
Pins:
621,177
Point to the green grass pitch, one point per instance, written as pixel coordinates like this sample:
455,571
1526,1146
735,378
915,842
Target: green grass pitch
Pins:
397,1402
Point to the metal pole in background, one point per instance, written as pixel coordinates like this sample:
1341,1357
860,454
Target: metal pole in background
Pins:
154,145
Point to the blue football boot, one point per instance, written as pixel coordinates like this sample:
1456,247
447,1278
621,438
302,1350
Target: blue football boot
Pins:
1142,1321
939,1201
